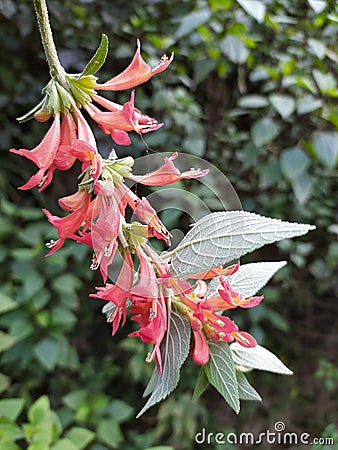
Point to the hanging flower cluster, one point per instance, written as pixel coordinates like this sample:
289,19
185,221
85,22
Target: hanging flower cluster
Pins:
97,211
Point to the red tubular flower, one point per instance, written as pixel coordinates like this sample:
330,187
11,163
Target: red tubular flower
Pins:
67,226
149,308
232,299
105,224
128,118
118,292
200,349
167,174
136,73
215,272
43,155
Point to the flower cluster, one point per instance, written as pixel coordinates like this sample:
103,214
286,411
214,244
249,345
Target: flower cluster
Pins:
97,213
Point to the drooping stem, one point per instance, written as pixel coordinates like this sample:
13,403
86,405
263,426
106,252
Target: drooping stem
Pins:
56,70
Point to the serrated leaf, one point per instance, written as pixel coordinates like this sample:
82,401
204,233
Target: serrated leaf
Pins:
221,373
285,105
202,383
174,351
223,237
98,59
245,390
258,358
254,8
249,278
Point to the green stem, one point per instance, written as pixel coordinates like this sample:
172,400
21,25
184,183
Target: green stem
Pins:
56,70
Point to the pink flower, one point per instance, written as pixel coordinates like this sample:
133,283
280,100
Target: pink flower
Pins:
231,299
167,174
118,292
136,73
122,119
43,156
149,308
200,349
67,226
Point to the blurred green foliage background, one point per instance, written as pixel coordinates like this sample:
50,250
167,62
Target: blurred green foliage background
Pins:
253,89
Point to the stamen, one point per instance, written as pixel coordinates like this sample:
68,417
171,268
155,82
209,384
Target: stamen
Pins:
150,356
50,244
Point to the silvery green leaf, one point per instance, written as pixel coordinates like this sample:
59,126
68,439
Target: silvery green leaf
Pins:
302,187
245,390
254,8
317,5
221,373
249,278
285,105
258,358
223,237
174,350
234,49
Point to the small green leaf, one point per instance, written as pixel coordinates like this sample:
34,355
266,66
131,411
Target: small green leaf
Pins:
47,351
81,437
109,433
6,341
11,407
234,49
120,410
9,431
39,411
255,8
6,303
308,104
4,382
191,21
220,370
64,444
283,104
98,59
326,148
294,161
252,101
201,384
263,131
302,187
